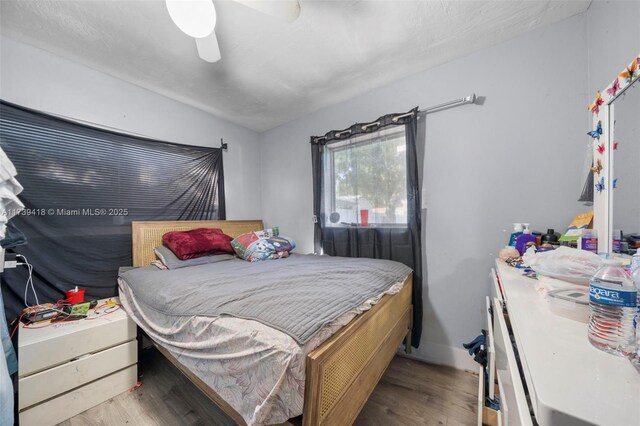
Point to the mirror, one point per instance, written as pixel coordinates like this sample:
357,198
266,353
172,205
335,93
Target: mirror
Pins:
616,156
625,163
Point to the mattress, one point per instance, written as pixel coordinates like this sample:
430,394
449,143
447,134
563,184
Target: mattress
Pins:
297,295
257,369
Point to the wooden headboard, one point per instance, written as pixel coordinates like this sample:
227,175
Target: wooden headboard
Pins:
148,235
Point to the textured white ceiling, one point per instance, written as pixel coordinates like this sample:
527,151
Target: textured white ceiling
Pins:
272,71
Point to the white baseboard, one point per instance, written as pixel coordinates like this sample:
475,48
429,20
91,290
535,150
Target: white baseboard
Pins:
437,353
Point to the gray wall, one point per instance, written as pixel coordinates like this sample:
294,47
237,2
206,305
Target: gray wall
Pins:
37,79
613,39
518,157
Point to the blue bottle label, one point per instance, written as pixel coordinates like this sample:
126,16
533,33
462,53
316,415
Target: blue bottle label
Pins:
514,237
606,296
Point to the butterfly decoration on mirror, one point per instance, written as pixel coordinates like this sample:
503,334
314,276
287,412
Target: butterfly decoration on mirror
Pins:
615,146
600,148
595,134
595,106
615,86
600,185
614,184
630,72
597,167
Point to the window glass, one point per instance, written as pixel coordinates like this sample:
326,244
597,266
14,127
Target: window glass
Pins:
366,180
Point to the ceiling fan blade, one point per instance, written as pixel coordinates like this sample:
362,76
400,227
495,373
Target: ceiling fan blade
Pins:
285,9
208,48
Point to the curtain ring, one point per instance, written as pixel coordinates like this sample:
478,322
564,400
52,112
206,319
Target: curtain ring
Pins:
398,117
366,126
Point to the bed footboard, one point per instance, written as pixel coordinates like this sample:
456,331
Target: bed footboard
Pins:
343,371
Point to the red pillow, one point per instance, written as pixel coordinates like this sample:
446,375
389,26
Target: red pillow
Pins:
197,242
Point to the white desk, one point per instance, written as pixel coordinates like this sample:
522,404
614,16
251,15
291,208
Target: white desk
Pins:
570,382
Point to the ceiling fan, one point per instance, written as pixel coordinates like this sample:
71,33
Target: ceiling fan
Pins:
197,18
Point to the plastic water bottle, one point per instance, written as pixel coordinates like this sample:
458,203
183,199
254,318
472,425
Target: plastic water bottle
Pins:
612,302
635,276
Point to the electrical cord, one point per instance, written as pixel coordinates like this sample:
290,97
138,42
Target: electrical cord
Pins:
29,280
108,309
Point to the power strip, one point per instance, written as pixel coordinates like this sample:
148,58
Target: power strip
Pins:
10,261
39,313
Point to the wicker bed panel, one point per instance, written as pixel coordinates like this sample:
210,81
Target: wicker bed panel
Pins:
346,364
340,368
148,235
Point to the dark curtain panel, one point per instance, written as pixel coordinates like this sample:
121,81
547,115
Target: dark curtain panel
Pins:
340,230
82,188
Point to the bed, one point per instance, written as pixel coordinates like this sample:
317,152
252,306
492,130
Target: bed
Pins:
335,371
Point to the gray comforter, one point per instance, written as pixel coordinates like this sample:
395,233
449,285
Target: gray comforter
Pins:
297,295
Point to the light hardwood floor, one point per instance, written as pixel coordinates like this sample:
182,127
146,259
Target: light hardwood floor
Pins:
409,393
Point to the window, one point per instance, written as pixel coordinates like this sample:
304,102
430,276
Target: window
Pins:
365,180
366,195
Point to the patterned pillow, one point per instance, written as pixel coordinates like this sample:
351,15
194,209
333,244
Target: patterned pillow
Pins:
262,245
197,242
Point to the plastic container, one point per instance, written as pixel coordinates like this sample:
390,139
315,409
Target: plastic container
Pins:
524,241
635,269
538,236
612,307
517,231
550,237
572,303
75,296
635,277
589,240
364,217
616,240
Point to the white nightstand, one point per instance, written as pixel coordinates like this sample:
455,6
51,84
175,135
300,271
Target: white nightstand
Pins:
69,367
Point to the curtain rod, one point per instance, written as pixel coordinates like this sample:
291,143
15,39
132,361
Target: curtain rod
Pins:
97,125
223,145
462,101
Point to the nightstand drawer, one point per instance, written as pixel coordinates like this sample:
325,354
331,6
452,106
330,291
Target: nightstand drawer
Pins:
51,346
49,383
75,402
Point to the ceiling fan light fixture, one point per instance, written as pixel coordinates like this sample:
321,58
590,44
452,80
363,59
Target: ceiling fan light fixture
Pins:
196,18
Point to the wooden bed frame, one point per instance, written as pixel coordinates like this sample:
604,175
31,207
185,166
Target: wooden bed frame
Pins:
343,371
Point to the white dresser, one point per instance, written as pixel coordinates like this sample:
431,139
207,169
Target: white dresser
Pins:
552,376
69,367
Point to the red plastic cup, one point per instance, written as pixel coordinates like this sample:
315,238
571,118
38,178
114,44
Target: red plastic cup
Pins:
364,217
75,296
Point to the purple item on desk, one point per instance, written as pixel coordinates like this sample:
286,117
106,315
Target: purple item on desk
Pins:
522,241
